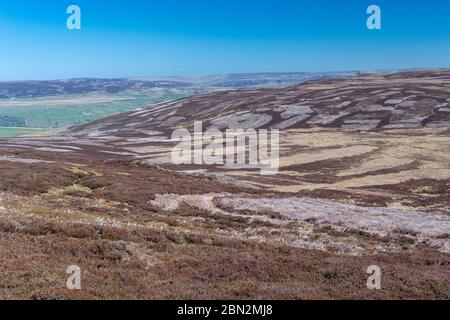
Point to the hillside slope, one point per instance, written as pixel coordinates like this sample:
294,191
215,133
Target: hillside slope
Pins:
360,103
364,180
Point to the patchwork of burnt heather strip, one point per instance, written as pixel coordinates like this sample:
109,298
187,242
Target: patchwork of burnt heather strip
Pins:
360,103
364,180
433,230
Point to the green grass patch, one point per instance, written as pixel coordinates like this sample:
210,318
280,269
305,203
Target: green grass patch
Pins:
17,132
82,172
75,188
68,110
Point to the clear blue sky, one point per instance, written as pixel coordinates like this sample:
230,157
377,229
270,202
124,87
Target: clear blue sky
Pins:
194,37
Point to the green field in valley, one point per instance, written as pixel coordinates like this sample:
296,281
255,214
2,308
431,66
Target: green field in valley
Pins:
23,116
17,132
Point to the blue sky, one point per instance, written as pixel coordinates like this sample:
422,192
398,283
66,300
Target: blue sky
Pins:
197,37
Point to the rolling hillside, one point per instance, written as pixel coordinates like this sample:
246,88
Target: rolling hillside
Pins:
364,180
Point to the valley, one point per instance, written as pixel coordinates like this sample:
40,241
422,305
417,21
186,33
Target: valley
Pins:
57,104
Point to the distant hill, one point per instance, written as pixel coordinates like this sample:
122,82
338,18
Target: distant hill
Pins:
37,89
360,103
